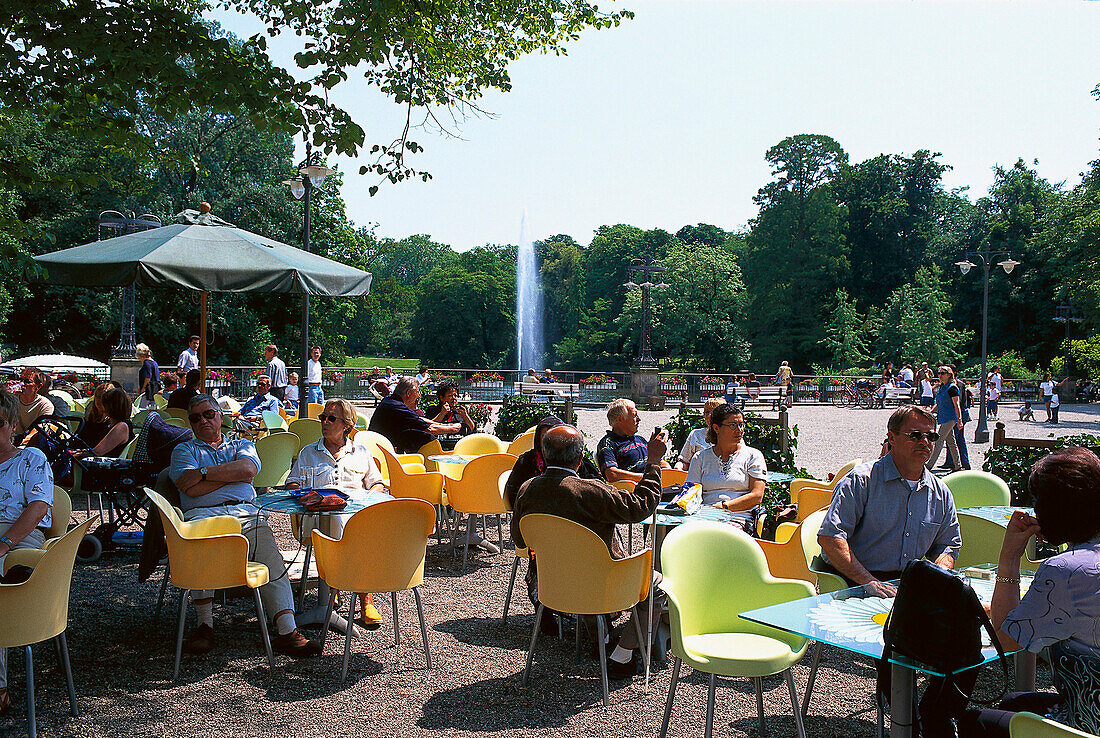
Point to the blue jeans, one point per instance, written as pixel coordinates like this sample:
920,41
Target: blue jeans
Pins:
315,394
960,442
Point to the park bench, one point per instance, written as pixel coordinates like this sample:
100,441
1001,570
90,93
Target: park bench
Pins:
553,389
771,395
900,395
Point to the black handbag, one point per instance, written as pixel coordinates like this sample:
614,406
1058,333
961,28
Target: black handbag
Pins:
937,620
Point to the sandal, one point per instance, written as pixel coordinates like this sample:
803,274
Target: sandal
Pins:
5,701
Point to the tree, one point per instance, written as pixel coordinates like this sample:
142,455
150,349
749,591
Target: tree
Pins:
462,318
846,333
915,326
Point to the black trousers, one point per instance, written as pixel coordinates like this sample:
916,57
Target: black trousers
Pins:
993,722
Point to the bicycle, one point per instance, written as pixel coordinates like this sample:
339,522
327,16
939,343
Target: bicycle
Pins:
853,395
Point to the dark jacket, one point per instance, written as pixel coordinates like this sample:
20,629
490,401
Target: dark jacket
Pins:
593,503
527,468
407,431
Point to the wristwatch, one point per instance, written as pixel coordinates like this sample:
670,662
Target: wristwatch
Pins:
202,471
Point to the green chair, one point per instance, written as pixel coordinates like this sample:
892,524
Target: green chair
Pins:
981,543
1030,725
307,429
361,421
973,488
276,452
711,574
274,422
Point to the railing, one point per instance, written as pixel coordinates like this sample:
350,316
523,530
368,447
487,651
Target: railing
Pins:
594,387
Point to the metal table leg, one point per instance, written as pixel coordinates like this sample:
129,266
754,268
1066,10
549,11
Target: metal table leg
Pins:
901,701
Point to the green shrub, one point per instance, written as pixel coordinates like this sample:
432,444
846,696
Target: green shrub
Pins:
767,438
1013,463
518,413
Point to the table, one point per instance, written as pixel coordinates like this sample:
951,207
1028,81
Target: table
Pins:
997,513
280,501
852,620
452,464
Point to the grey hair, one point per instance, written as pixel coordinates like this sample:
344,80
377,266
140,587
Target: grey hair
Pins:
201,398
9,406
617,409
560,449
404,385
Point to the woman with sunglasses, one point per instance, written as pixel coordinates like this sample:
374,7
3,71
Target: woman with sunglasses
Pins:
731,473
948,417
340,463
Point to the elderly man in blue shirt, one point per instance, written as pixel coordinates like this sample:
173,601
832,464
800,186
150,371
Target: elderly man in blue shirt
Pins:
887,513
252,413
214,476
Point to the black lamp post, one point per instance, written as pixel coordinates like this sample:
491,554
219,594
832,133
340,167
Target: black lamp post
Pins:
985,261
118,224
312,175
647,268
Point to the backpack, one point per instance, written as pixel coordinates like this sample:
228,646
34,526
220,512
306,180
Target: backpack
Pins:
937,620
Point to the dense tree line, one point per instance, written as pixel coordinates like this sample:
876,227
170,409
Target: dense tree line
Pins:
845,265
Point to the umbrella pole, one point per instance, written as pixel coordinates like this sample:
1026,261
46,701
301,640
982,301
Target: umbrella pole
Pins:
202,340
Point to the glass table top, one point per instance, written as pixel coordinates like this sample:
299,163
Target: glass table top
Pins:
853,620
997,513
280,501
458,459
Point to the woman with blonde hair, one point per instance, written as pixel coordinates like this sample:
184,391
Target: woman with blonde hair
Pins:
148,375
949,416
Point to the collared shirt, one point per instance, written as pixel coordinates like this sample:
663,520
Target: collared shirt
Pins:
25,478
189,359
353,473
257,404
1063,603
568,472
696,442
627,453
886,523
313,372
276,372
195,454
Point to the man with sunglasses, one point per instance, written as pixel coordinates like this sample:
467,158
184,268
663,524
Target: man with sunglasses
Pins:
214,476
887,513
251,416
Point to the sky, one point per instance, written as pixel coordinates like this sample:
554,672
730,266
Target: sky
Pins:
665,120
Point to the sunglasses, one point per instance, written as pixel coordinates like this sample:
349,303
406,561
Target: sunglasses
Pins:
195,417
330,418
918,436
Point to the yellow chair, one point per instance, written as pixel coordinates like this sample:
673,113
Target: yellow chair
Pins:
798,484
209,553
308,431
418,485
522,443
1030,725
975,488
276,452
787,560
38,609
670,477
520,553
624,484
577,575
431,448
711,573
376,441
313,411
981,543
60,512
382,550
480,443
478,493
174,412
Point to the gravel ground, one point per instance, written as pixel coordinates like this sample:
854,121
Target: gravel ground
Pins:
122,654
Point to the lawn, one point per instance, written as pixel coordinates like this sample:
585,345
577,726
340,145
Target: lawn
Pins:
382,361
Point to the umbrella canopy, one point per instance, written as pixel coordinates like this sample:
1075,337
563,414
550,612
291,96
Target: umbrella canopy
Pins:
60,362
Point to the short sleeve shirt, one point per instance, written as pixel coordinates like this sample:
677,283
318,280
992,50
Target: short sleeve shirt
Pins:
1047,388
696,442
353,473
1063,603
727,482
38,408
627,453
886,522
313,372
25,478
196,454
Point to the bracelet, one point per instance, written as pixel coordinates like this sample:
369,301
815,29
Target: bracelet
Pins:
7,542
1008,580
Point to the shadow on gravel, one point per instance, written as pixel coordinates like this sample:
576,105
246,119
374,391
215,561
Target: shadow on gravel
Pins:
490,631
311,679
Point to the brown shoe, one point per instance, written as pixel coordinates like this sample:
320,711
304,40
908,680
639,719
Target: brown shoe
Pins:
295,645
200,641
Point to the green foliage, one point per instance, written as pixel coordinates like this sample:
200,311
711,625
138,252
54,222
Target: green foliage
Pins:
914,324
766,438
519,412
464,318
846,333
1013,463
481,413
1085,354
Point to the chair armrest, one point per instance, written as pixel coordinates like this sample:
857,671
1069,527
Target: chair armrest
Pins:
783,590
413,467
23,557
410,458
218,525
784,531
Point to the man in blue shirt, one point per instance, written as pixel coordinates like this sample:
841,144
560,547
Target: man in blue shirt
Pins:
214,476
252,414
621,454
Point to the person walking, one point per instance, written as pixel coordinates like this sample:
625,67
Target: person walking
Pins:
314,393
948,416
276,370
784,378
189,359
148,376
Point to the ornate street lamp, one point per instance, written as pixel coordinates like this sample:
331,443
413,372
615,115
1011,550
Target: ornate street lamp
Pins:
647,268
118,224
985,260
312,176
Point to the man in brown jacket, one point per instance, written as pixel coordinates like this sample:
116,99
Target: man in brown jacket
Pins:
596,505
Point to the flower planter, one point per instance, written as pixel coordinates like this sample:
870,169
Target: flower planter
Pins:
605,386
674,387
719,388
365,383
488,385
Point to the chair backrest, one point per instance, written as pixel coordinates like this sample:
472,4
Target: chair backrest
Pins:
478,491
1030,725
826,582
797,485
844,470
308,431
981,543
361,421
522,443
273,421
712,573
812,499
975,488
427,486
392,535
314,410
276,452
45,594
139,417
576,573
174,412
197,561
480,443
128,451
177,423
626,484
160,400
60,512
431,448
670,477
787,560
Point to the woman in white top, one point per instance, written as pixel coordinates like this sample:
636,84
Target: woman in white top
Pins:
927,397
697,439
26,495
340,463
1046,391
732,474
